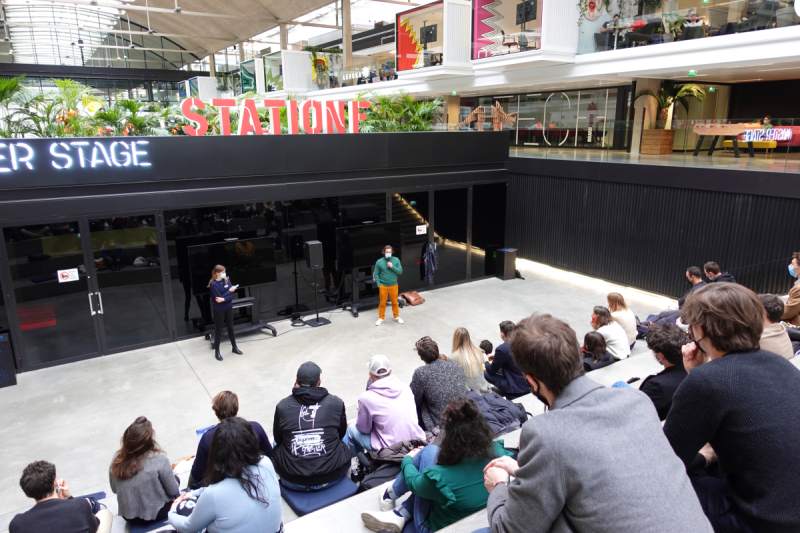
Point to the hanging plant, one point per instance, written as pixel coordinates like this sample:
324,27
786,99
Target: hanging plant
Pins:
591,9
334,54
654,5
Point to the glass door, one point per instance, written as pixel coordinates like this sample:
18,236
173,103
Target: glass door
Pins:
129,282
54,297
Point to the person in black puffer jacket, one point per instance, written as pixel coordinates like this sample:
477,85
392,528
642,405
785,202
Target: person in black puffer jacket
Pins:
309,426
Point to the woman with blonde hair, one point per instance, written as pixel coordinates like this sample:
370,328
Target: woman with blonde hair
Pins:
471,360
622,316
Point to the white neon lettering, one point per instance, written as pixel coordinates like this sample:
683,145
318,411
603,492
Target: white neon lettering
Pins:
136,153
80,145
773,134
114,154
16,160
95,160
67,158
3,169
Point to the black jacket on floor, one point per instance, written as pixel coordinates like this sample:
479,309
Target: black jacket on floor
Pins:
661,388
747,406
308,430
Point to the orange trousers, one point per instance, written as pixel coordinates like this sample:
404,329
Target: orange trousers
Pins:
392,292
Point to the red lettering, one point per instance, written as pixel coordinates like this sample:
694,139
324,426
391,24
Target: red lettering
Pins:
356,116
197,118
334,118
291,116
224,105
309,123
274,107
248,119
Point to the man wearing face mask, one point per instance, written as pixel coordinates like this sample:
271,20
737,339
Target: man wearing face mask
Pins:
558,484
791,311
739,407
387,268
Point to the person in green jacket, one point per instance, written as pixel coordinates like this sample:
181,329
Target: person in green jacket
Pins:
446,483
387,268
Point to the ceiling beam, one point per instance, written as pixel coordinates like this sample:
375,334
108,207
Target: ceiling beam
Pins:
88,45
398,2
314,25
124,32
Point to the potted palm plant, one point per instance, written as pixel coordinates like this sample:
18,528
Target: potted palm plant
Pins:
660,140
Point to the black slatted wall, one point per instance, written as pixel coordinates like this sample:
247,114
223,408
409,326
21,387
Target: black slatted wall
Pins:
645,236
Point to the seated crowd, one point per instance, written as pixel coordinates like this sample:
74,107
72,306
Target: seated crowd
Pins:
725,459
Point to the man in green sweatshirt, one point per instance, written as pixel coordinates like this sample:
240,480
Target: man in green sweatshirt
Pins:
387,268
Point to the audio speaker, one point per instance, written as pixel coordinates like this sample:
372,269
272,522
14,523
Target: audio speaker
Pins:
314,255
296,247
8,371
506,263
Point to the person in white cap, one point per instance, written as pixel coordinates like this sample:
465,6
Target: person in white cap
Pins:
386,411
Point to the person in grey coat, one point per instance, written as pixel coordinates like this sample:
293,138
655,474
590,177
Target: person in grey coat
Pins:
435,385
566,481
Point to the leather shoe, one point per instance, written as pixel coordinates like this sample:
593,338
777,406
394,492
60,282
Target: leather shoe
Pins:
218,356
237,350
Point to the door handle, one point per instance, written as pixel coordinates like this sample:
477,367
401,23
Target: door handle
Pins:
91,305
100,301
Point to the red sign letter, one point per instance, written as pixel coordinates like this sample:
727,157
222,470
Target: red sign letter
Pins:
248,119
334,118
224,105
274,107
307,123
291,115
356,116
188,114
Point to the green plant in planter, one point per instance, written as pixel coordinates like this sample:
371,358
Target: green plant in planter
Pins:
669,94
673,22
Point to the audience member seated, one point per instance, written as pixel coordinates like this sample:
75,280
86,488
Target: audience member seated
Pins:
501,370
141,476
774,338
487,349
610,33
622,315
595,352
559,485
242,495
714,273
386,411
616,339
445,482
791,311
665,342
739,408
471,359
225,405
695,279
435,384
55,510
308,429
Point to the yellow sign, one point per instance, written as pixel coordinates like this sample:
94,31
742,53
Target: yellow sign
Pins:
320,67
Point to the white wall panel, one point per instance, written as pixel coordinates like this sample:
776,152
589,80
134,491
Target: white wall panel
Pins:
456,33
560,26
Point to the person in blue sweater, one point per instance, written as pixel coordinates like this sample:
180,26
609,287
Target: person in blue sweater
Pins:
222,291
501,370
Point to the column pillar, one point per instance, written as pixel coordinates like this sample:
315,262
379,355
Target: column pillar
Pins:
284,31
347,34
240,46
453,111
212,64
644,111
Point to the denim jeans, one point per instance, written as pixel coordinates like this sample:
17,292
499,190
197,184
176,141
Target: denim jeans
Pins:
416,508
309,488
355,440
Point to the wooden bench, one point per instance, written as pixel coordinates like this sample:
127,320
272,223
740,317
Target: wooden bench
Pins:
768,146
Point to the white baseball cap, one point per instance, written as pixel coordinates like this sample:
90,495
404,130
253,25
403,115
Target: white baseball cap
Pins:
379,365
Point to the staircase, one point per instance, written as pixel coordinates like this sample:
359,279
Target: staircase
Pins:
409,219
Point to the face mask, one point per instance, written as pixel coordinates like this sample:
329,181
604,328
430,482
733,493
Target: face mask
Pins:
223,275
710,278
792,272
539,396
388,256
689,282
656,358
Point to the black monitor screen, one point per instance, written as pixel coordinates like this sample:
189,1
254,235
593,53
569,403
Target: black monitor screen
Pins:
360,246
247,262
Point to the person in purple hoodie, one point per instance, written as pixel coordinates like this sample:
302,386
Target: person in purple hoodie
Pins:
386,411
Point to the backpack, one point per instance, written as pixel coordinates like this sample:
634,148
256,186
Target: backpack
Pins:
384,473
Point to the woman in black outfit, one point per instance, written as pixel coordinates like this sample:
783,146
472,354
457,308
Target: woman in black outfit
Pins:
222,291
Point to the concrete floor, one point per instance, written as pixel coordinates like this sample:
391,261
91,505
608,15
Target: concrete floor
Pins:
774,162
74,415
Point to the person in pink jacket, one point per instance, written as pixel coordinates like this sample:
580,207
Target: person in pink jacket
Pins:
386,411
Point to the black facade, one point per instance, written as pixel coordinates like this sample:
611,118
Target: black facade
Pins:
115,214
643,226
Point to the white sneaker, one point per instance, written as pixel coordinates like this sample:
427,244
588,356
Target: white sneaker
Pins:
379,322
399,320
384,521
387,504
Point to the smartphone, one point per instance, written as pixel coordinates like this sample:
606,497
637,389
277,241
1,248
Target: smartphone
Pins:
236,286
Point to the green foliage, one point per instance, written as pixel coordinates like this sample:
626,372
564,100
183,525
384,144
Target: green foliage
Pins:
400,112
671,93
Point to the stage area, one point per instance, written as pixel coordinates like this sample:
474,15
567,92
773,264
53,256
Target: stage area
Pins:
74,415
